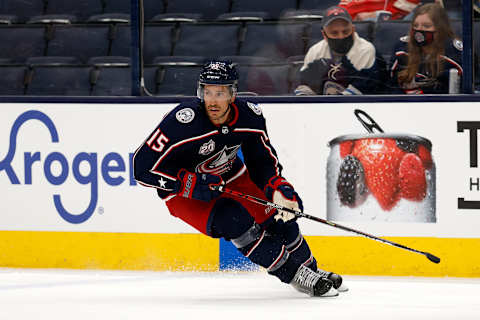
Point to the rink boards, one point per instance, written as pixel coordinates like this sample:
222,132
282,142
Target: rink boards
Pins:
69,199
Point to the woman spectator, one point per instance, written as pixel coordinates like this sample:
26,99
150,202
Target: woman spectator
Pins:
428,60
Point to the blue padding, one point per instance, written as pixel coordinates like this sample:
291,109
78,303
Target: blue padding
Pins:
232,259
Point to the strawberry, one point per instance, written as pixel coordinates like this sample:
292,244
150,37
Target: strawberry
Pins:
413,185
346,148
425,156
380,159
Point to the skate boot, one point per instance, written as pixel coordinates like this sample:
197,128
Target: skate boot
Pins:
308,281
335,278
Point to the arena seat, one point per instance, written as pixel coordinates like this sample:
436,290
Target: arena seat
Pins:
152,7
303,15
274,8
117,6
154,73
12,81
79,8
209,9
111,76
245,16
267,79
274,40
296,62
205,39
82,41
177,17
21,42
24,9
178,79
57,76
248,59
387,34
316,4
158,41
111,18
121,35
8,19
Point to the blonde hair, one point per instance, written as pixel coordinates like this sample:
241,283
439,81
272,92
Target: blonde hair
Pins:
434,61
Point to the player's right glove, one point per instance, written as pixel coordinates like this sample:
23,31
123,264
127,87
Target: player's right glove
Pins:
198,185
281,192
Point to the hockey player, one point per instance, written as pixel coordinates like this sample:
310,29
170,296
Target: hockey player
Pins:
196,147
341,63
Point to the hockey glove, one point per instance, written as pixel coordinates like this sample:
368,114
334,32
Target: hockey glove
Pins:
282,193
198,185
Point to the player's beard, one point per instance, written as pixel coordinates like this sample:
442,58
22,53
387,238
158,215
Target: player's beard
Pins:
213,117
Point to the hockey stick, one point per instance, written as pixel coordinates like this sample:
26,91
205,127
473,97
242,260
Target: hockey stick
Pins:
299,214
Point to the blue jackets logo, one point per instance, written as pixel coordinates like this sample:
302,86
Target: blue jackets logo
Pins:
112,162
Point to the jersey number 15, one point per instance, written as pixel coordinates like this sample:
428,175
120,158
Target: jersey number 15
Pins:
157,141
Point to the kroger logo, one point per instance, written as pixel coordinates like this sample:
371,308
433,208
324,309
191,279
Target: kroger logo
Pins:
66,166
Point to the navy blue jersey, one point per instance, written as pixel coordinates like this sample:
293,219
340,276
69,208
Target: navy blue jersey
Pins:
423,81
187,139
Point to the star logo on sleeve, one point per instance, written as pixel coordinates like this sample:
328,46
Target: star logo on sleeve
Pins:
162,183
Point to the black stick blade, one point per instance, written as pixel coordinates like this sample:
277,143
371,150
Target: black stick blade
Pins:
433,258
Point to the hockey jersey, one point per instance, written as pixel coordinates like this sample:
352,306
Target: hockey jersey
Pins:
326,74
423,82
187,139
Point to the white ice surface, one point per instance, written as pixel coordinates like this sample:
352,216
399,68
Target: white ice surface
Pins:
71,294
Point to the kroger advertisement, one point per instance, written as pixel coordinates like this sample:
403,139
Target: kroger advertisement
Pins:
392,169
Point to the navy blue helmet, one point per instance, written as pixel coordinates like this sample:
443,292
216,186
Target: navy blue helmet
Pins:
218,72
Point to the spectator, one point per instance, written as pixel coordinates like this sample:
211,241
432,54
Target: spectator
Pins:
361,10
341,63
422,60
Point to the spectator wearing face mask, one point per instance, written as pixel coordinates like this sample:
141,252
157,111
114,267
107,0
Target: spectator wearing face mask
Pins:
428,60
341,63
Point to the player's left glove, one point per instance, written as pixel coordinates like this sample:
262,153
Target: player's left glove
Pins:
281,192
198,185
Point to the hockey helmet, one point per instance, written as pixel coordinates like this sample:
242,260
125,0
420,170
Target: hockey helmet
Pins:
218,72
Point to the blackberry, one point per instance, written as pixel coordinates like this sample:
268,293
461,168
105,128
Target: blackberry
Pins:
351,181
407,145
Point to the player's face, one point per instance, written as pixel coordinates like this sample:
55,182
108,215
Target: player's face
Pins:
217,100
423,22
338,29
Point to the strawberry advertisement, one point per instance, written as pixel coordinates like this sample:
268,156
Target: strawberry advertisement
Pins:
380,176
397,169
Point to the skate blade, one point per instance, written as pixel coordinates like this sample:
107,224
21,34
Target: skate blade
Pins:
330,293
342,288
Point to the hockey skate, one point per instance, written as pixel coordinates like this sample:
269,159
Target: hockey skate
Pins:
308,281
335,278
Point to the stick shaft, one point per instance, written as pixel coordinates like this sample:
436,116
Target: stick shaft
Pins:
330,223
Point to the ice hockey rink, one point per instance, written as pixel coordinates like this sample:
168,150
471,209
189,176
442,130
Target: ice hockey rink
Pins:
70,294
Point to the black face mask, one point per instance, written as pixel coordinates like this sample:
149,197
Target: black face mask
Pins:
422,38
341,46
